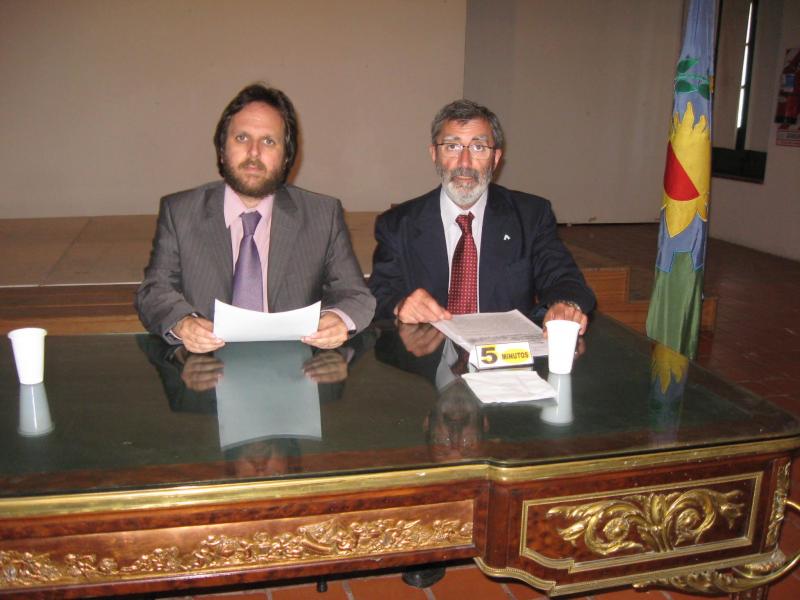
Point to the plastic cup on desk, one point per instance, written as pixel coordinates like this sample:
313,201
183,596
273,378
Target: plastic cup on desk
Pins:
562,336
34,411
28,345
561,413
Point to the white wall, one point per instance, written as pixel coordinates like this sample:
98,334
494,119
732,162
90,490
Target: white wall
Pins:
765,216
584,92
106,105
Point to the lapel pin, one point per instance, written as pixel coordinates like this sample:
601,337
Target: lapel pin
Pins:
506,237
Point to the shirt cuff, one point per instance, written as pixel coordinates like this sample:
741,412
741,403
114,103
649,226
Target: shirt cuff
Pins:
348,322
171,335
571,303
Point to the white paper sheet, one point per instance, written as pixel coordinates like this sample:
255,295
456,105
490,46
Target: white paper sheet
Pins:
234,324
264,394
509,386
469,331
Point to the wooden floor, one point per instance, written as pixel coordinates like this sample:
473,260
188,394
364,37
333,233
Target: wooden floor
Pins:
755,342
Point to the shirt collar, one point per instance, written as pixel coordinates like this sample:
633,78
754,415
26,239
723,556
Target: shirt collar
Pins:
233,206
450,210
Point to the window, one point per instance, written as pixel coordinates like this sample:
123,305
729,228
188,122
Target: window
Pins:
741,121
744,86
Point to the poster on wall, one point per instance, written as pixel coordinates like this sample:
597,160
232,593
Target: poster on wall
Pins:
787,114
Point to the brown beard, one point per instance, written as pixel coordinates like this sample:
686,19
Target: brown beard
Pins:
264,188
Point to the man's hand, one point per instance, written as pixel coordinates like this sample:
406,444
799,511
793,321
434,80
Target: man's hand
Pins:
197,335
420,307
420,340
332,332
326,367
201,372
566,312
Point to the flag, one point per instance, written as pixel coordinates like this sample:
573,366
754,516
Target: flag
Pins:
668,375
675,304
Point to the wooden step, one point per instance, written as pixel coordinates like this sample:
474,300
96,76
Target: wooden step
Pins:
70,309
108,308
634,313
611,286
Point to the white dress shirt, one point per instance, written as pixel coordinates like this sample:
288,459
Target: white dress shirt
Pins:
452,232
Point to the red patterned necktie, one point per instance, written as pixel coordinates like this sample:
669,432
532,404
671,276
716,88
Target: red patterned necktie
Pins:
463,296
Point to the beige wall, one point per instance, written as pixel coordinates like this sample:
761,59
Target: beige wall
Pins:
766,216
583,89
105,105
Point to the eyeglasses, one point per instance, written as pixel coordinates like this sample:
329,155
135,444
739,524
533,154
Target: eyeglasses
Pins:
476,149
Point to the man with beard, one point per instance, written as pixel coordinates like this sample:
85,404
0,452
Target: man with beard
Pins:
499,245
252,240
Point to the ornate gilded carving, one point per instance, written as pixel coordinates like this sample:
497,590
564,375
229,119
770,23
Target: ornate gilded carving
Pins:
736,579
25,568
661,522
704,582
778,504
330,539
729,581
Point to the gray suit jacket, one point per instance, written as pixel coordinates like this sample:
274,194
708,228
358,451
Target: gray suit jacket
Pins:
310,258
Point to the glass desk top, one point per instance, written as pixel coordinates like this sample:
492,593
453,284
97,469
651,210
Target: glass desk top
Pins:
124,418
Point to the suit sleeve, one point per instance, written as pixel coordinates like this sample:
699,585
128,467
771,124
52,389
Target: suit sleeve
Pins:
344,288
555,272
387,280
180,398
159,299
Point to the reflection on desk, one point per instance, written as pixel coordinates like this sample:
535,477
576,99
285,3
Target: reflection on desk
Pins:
402,472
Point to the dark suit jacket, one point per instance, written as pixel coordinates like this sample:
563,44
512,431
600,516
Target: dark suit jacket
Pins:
390,350
522,260
310,258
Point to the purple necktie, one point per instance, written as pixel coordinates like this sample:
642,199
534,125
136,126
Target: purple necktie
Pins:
248,289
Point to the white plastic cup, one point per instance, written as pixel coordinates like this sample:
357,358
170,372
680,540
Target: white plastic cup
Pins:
562,336
28,345
34,411
561,413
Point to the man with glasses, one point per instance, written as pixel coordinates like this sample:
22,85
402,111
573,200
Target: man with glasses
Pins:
470,245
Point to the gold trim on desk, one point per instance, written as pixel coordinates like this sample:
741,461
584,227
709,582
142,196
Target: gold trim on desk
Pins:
666,517
648,460
779,503
200,495
639,580
209,549
739,579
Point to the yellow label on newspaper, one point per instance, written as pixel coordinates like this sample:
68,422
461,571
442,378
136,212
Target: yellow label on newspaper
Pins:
513,354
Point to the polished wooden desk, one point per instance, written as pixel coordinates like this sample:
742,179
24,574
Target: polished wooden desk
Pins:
144,485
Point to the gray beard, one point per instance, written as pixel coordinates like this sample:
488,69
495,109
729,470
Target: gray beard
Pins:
464,197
